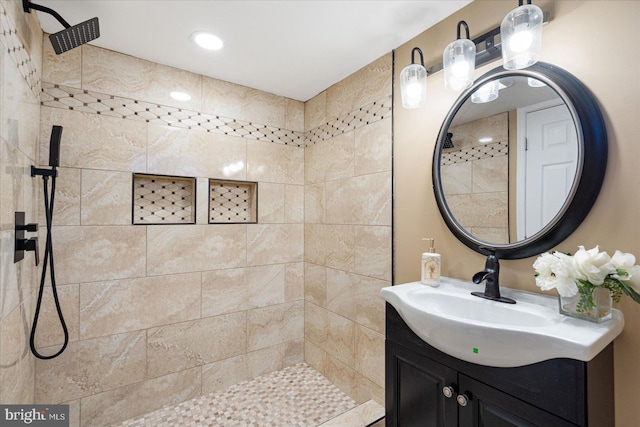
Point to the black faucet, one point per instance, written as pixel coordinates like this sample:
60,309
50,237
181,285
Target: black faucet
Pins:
490,274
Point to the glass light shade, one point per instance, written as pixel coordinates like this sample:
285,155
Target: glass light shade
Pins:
535,82
486,93
521,32
459,59
413,86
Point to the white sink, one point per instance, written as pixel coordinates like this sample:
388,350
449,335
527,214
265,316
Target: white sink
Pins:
492,333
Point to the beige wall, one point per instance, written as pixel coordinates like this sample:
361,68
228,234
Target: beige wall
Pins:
586,39
20,58
348,229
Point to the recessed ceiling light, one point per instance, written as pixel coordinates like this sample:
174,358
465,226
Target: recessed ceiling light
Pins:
180,96
207,40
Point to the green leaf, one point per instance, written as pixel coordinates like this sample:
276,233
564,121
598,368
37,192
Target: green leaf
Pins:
630,292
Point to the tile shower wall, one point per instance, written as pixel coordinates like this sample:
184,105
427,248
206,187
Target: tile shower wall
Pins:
348,229
162,313
20,59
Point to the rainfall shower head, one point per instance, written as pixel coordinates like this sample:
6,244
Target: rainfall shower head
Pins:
70,37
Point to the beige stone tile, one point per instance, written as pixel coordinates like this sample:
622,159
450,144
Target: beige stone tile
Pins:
93,141
275,324
315,357
140,398
315,111
17,377
270,162
294,115
341,293
315,284
49,331
18,279
370,354
185,152
314,201
78,372
114,73
108,308
235,289
490,234
361,415
353,383
480,210
186,248
66,209
294,204
65,70
74,413
294,281
294,352
370,307
90,253
106,197
265,360
330,159
202,201
274,243
373,251
242,103
491,175
456,178
360,200
271,206
222,374
330,245
373,147
331,332
370,83
186,345
466,135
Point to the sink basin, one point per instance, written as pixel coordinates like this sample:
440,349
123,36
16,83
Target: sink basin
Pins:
491,333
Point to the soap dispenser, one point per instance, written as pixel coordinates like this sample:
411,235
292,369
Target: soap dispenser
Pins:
430,265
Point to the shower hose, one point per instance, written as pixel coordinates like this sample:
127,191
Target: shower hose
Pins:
48,259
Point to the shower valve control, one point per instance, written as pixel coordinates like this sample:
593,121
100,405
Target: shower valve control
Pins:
21,243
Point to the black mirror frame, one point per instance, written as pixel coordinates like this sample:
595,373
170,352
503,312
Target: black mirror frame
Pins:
590,171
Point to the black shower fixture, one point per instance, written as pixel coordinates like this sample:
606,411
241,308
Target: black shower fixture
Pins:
448,143
70,37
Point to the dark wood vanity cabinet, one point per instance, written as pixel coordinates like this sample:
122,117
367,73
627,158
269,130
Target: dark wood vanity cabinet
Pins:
425,387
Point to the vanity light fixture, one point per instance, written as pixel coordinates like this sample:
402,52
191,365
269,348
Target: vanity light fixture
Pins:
459,61
207,40
413,82
535,82
486,93
521,32
485,140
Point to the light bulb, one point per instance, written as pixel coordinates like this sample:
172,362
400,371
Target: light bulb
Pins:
413,86
520,41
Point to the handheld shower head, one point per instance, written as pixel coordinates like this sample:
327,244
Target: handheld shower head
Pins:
54,146
71,36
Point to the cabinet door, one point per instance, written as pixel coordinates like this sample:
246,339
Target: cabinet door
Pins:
414,390
489,407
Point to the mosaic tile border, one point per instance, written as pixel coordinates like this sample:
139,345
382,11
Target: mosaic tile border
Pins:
475,153
295,396
86,101
369,113
18,52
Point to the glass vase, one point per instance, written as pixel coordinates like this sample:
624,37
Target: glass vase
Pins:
580,307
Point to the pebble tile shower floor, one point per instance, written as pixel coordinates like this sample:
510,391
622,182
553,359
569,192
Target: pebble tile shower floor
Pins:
295,396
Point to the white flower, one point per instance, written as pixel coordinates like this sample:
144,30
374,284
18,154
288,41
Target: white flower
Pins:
556,271
593,265
622,261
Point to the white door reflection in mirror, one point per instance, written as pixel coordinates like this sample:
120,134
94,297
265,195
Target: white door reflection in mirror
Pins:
548,147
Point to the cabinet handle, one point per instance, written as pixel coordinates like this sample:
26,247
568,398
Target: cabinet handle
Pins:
448,391
462,399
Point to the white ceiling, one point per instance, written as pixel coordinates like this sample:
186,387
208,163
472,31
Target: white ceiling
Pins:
294,48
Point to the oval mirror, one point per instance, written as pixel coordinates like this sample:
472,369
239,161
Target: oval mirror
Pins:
519,161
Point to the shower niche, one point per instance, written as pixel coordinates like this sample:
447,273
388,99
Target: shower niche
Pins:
232,202
162,199
159,199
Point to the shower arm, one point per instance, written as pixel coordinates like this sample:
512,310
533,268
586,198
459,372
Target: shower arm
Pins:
27,6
